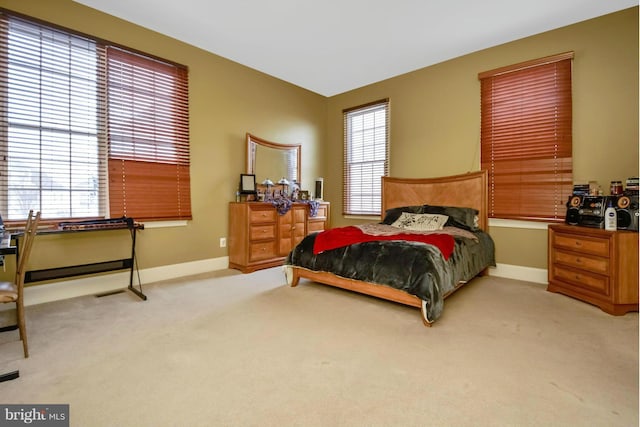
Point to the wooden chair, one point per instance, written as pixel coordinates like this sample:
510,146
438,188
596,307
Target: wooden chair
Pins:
14,291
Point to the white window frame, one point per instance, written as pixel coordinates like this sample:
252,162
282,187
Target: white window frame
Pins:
366,157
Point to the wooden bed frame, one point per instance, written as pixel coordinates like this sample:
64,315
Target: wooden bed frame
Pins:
467,190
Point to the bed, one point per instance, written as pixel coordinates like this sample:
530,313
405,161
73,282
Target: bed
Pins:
420,271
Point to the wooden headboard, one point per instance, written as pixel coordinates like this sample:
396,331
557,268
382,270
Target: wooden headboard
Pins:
468,191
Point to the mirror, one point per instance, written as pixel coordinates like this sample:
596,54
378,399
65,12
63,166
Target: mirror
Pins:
271,160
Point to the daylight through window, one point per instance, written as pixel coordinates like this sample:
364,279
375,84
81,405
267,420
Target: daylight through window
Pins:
58,110
366,157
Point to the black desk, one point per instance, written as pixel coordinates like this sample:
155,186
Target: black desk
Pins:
92,268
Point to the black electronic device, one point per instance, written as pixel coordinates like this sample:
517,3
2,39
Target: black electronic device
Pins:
319,189
626,212
587,211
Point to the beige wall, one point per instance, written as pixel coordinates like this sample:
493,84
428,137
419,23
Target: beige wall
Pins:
435,116
435,122
226,101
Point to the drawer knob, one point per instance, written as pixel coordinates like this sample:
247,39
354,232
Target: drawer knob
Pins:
578,260
578,243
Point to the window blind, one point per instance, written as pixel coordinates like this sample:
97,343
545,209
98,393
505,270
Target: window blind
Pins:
526,138
51,114
148,137
89,129
366,157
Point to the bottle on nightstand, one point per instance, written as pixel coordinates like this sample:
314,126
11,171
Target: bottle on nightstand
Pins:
610,217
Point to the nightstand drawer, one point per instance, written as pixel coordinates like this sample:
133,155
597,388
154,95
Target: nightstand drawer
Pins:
263,250
582,244
262,232
581,279
591,263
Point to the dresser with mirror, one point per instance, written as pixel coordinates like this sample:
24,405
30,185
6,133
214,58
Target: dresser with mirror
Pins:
265,228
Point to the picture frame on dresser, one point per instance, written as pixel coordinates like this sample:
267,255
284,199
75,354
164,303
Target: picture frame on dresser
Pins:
247,183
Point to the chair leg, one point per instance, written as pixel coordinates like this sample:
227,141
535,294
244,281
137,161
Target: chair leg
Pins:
22,326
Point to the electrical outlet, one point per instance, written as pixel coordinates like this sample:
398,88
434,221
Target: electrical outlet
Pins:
223,242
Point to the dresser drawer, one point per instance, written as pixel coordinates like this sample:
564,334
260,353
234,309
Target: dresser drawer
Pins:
582,244
262,232
262,250
587,262
314,226
259,216
322,212
581,279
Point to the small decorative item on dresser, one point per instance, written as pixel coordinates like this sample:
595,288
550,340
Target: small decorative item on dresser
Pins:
268,194
247,183
285,185
295,190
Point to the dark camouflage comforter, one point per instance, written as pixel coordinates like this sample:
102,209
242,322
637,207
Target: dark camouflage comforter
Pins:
416,268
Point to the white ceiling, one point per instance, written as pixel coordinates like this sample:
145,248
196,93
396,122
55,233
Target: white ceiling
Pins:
332,46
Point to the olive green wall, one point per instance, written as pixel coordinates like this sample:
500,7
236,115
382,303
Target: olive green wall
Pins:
435,116
226,101
435,124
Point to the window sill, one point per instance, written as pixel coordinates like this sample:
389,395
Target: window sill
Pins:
363,217
513,223
165,224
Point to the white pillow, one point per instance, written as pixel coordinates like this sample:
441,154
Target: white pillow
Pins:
420,222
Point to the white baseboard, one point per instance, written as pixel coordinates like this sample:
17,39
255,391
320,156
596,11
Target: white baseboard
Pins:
518,272
39,294
111,282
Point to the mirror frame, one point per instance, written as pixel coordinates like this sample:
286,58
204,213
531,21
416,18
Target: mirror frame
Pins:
253,140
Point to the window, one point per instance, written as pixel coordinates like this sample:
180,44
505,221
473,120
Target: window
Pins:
526,119
68,115
366,157
51,158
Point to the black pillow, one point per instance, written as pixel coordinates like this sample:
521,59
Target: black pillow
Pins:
464,218
391,215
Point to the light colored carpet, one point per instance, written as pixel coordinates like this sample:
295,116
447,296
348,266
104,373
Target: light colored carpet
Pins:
227,349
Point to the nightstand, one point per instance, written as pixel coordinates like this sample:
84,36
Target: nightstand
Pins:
596,266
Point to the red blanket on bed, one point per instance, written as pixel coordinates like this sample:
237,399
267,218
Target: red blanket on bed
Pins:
344,236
